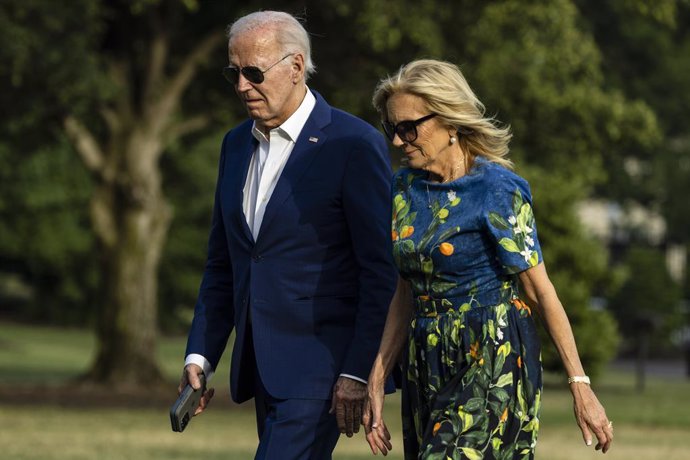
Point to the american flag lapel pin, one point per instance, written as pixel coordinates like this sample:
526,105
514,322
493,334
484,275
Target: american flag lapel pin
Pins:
313,139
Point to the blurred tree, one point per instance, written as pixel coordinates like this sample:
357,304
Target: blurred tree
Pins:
647,305
646,49
533,63
190,171
44,189
44,233
356,43
117,87
150,64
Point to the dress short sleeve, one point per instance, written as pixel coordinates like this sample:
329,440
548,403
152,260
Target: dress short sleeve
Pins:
510,223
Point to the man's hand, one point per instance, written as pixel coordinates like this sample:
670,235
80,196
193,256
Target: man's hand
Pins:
191,374
348,401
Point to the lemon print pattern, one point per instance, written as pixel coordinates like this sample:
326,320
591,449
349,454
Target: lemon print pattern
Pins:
472,376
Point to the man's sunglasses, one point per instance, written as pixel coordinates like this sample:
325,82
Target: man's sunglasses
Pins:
251,73
406,129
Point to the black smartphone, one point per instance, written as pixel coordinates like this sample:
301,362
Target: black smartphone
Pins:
182,411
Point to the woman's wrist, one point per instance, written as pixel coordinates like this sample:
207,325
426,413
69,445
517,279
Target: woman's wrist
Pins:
580,391
377,377
579,379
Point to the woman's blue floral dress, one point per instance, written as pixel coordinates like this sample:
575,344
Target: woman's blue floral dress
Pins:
472,367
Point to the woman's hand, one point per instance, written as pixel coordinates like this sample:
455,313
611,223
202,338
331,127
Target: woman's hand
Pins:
591,417
378,437
392,341
589,413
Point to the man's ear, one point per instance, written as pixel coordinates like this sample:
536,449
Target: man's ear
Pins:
298,68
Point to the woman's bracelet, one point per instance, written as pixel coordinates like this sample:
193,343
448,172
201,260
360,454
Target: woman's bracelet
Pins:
579,379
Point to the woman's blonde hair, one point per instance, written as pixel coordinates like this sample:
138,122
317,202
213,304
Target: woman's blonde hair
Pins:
447,94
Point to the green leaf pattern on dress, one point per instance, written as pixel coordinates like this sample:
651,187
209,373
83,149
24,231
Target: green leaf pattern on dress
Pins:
522,225
403,228
471,394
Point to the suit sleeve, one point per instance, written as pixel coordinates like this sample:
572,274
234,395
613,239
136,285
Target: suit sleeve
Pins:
214,311
367,207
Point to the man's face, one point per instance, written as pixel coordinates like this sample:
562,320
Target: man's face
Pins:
272,101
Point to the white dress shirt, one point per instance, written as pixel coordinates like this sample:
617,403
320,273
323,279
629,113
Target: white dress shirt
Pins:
268,162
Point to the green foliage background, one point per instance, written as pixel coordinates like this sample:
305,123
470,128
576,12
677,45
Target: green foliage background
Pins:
586,87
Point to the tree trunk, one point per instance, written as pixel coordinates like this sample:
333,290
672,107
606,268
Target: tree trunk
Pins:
131,218
129,213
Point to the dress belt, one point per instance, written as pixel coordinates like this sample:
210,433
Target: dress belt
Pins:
430,306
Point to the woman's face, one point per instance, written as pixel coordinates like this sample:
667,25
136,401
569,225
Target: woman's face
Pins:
430,150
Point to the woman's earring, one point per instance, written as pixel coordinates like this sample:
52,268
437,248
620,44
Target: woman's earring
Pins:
453,139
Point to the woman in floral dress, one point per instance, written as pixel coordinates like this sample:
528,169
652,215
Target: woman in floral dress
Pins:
464,238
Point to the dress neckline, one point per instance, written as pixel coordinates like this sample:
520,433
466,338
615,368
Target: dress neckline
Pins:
477,167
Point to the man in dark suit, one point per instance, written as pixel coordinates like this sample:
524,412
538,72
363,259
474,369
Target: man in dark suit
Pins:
299,258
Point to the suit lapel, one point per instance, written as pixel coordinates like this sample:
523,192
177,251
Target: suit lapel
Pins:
308,144
240,170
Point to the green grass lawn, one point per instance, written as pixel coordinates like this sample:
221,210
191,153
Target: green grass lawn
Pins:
652,425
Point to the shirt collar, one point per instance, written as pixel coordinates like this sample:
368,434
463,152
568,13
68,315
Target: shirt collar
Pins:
292,127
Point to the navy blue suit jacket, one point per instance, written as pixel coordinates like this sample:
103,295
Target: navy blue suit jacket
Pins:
319,278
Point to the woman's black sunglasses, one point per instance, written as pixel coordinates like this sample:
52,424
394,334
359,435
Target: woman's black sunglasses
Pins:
251,73
406,129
